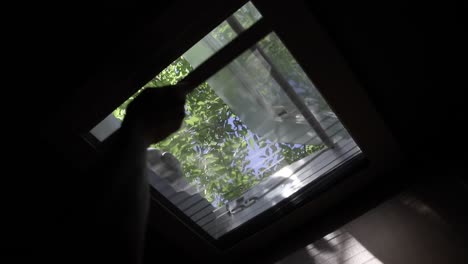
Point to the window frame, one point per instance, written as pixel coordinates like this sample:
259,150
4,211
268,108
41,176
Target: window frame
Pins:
322,62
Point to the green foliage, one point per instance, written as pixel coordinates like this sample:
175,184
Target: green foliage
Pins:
215,148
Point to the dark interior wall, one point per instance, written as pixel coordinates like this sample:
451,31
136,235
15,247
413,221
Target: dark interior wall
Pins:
397,233
404,229
418,226
408,56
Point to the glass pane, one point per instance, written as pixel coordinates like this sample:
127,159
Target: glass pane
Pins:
247,15
289,70
221,35
245,144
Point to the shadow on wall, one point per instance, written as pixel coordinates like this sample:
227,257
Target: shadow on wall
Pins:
402,230
338,247
406,229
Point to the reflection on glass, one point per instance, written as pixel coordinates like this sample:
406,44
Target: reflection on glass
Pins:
245,144
241,127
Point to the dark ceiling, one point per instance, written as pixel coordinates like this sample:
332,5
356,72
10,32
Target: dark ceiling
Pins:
68,52
74,55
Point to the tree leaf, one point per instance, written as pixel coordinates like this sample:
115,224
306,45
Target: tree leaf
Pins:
251,143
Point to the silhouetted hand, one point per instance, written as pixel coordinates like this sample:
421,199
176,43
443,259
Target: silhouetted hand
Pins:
157,112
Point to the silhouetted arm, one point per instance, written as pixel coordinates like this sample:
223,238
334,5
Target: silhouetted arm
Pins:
123,207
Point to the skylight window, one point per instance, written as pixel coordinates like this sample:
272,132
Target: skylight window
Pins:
255,133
